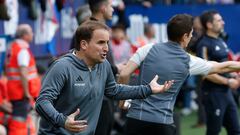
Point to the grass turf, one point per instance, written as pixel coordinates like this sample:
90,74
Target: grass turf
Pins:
188,121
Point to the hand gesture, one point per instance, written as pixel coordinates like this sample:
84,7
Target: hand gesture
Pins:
156,88
75,125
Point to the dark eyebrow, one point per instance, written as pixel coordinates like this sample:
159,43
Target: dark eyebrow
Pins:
102,41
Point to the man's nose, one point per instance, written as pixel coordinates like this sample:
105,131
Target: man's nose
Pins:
105,48
223,22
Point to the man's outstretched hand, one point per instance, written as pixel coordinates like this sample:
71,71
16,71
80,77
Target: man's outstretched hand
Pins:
75,125
157,88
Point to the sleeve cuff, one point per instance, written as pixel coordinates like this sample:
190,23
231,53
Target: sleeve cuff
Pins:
149,90
62,120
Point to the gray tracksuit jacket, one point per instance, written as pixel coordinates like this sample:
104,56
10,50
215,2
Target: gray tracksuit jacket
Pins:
69,85
170,62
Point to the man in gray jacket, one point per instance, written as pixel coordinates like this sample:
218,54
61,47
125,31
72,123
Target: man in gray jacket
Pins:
78,81
154,115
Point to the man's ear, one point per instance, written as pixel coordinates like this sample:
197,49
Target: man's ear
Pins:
184,37
83,44
209,25
103,8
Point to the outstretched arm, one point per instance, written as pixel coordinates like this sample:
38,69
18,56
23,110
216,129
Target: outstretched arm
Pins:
124,79
223,67
133,63
131,67
204,67
127,72
155,87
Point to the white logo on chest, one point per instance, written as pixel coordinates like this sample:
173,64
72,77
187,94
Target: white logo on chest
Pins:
217,48
79,84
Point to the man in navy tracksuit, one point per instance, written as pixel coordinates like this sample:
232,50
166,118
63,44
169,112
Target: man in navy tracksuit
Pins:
221,109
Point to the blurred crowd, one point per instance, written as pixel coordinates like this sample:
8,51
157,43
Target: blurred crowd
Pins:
18,114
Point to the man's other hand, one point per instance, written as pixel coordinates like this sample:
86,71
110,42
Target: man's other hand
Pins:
75,125
157,88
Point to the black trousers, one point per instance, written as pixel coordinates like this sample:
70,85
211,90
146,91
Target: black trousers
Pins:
221,110
106,119
138,127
